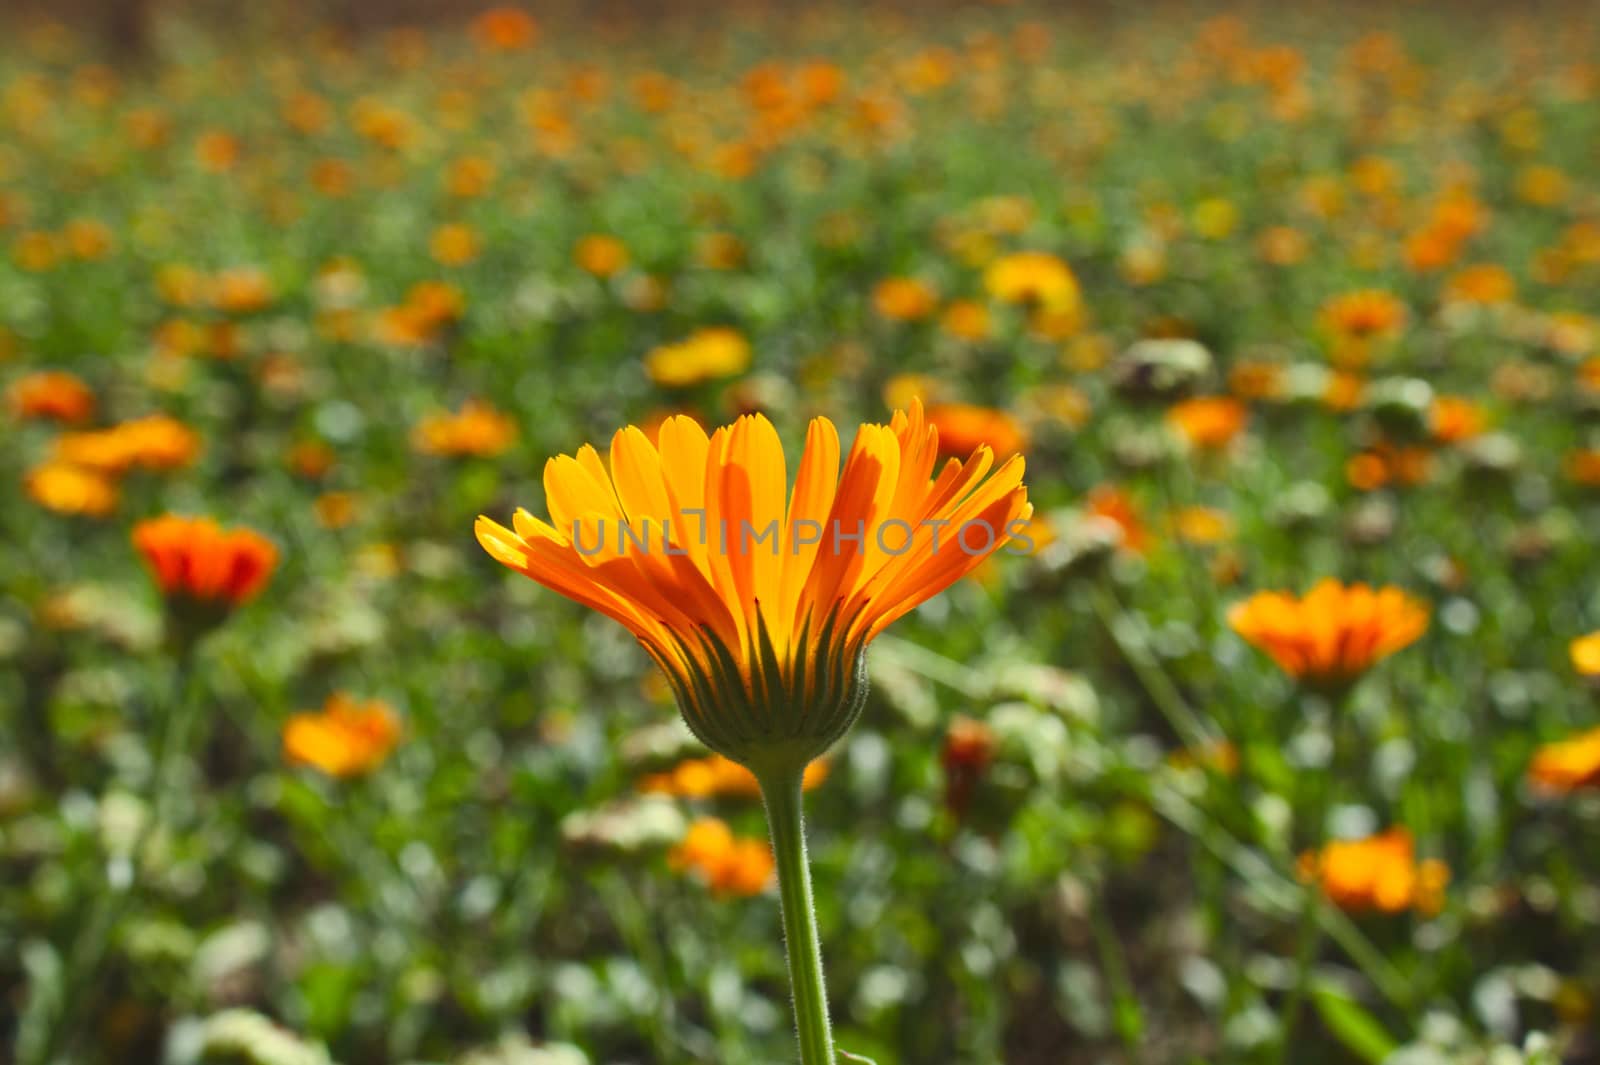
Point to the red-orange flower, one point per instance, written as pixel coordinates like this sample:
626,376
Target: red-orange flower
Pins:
1333,634
505,29
964,428
52,394
197,559
345,738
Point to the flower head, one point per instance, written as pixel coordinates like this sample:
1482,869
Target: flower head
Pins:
1585,651
1568,764
68,489
730,865
904,299
1035,278
52,394
345,738
1209,423
965,427
758,604
198,561
1335,633
157,442
1364,314
1377,873
476,429
705,355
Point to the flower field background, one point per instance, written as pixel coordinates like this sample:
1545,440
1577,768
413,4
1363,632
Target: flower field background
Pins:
1277,746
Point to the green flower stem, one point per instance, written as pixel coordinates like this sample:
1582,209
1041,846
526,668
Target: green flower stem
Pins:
781,791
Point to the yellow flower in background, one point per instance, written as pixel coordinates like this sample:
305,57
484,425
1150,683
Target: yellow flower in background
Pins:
1333,634
729,864
69,489
476,429
1585,652
755,602
1377,873
454,244
346,738
1035,278
1567,765
718,777
601,255
1203,526
705,355
904,299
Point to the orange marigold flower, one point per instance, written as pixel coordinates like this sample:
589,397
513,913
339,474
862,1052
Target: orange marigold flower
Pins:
718,777
68,489
345,738
904,299
1481,283
1112,504
241,290
505,29
730,865
1453,419
1335,633
53,394
600,255
157,442
1035,278
454,245
1583,467
1209,422
197,559
755,602
965,320
1364,315
1570,764
476,429
964,428
1585,651
1377,873
705,355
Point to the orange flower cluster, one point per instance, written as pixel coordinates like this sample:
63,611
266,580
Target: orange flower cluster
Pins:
51,394
1335,633
1377,873
345,738
1389,465
1209,423
477,429
429,308
729,864
157,442
718,777
1567,765
197,559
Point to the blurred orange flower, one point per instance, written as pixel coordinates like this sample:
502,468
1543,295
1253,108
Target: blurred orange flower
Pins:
1208,422
705,355
904,299
964,427
1377,873
1585,651
454,244
1583,467
52,394
600,255
1335,633
157,442
1453,419
730,865
1116,506
1364,315
1481,283
716,776
68,489
345,738
1567,765
505,29
197,559
1034,278
476,429
969,747
241,290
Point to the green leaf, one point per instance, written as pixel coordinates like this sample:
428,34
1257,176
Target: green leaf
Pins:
1360,1032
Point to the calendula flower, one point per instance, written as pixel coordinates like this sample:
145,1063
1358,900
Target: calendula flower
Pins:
758,609
718,777
729,864
904,299
345,738
454,244
1453,419
505,29
1481,283
1333,634
68,489
157,442
196,560
52,394
242,290
1585,652
705,355
1035,278
1364,315
600,255
476,429
964,428
1377,873
1209,423
1567,765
